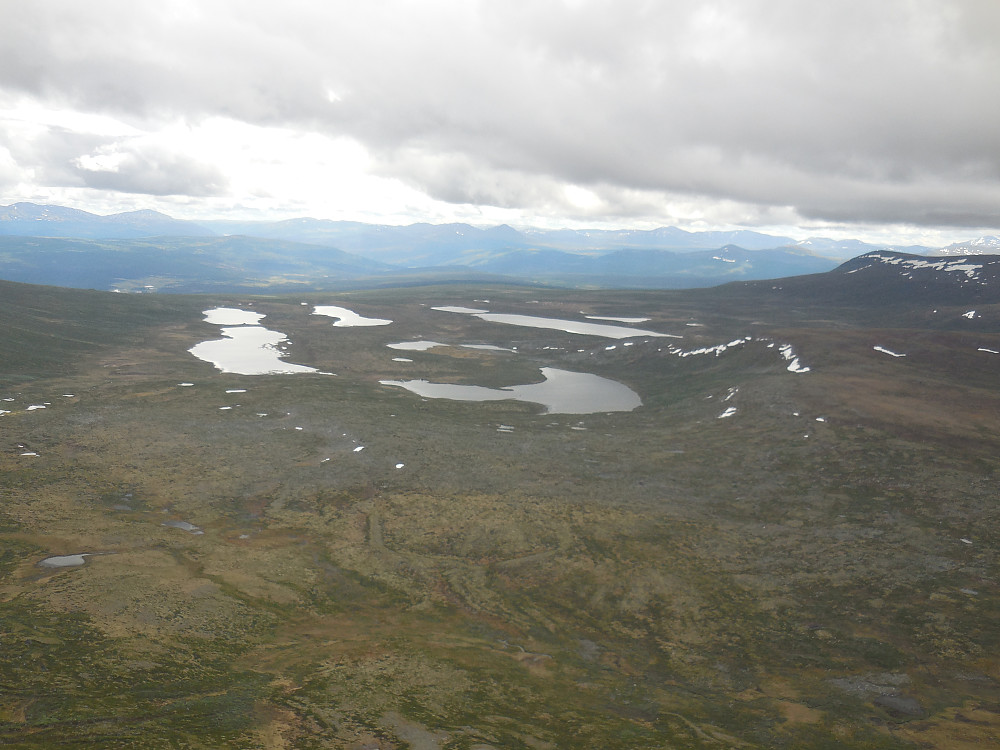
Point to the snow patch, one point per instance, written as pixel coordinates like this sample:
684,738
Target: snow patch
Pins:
959,265
794,365
887,351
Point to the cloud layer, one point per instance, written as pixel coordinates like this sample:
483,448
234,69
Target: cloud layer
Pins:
738,111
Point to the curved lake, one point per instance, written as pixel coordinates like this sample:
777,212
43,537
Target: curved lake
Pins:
347,318
562,392
247,349
557,324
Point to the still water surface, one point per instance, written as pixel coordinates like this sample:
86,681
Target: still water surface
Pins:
247,349
562,392
557,324
348,318
64,561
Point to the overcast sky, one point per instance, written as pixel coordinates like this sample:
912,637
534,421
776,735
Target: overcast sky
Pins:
877,119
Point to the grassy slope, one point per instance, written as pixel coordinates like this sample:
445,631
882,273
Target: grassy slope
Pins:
658,579
47,330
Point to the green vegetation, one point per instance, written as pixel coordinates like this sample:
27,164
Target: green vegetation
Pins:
655,579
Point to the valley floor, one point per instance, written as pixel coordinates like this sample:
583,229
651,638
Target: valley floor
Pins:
759,556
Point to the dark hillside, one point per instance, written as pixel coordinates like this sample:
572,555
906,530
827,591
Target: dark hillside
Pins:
886,278
48,330
880,288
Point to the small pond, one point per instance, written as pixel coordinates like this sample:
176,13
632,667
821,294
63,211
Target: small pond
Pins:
184,526
64,561
415,346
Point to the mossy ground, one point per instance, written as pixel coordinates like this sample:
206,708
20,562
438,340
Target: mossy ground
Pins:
659,578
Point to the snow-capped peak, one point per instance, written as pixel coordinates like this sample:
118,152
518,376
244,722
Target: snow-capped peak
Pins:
987,245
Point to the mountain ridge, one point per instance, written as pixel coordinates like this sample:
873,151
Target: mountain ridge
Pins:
324,254
31,219
41,220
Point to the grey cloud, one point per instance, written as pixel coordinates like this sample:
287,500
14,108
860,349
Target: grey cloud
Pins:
973,207
161,61
153,172
60,157
770,103
456,178
10,173
847,109
48,153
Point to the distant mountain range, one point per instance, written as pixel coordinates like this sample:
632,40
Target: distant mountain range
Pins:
32,220
149,250
242,263
437,244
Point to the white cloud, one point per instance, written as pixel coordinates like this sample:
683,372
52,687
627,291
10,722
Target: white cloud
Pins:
10,172
150,171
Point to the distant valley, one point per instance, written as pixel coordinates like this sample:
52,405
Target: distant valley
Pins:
149,251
